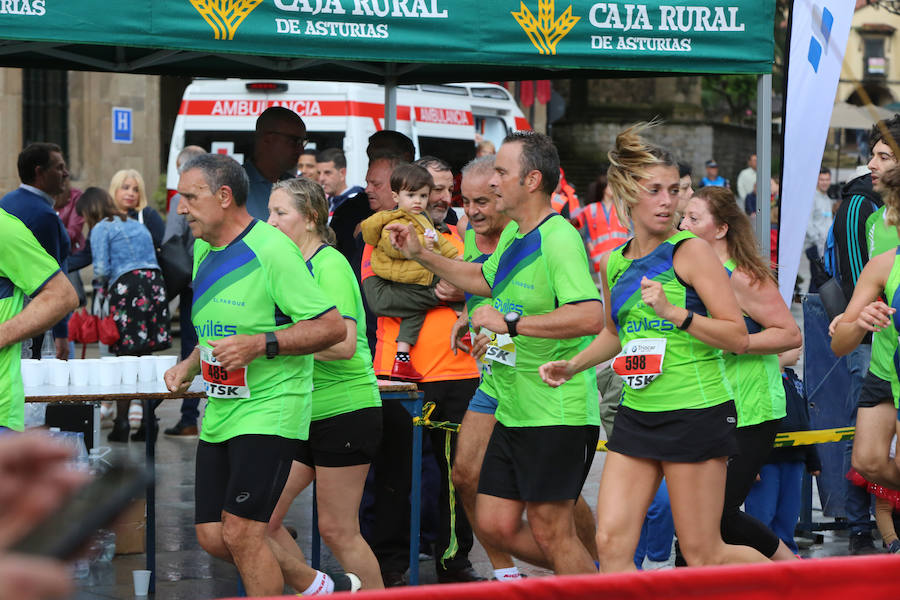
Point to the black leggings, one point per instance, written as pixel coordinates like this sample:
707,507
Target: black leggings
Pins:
754,445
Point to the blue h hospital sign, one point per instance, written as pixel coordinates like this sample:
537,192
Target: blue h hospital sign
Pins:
122,130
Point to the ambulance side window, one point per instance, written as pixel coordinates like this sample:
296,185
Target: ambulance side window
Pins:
455,152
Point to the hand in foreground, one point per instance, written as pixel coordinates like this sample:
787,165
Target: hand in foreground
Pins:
875,316
236,351
34,480
33,578
652,295
404,239
557,372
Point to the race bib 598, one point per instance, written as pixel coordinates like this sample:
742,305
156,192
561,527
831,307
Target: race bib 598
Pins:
640,362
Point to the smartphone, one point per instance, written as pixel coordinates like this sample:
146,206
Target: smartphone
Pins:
64,533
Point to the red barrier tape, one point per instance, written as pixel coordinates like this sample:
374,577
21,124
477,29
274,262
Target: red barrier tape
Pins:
813,579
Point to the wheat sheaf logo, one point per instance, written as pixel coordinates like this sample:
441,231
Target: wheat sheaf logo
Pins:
225,16
546,31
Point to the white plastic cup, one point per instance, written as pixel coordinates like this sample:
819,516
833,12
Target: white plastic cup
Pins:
32,373
164,362
93,367
59,372
128,365
110,373
141,582
147,369
79,372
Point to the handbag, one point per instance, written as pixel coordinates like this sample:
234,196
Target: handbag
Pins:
174,262
107,330
176,266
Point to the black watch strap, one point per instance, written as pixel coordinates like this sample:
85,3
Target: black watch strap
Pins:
271,345
511,327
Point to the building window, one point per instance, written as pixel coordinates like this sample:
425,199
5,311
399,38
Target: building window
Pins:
45,107
874,61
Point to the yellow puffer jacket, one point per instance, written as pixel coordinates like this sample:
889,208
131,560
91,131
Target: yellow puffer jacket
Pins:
389,263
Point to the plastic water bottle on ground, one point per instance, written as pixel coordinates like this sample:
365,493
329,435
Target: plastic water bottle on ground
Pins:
104,546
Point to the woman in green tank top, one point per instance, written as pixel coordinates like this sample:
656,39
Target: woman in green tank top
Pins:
714,215
667,301
345,428
867,312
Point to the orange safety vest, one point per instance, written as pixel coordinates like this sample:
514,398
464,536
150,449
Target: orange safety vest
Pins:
566,202
603,234
431,355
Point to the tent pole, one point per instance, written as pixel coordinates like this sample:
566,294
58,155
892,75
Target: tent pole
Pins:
763,161
390,97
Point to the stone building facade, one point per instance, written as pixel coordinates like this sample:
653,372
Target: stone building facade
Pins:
86,106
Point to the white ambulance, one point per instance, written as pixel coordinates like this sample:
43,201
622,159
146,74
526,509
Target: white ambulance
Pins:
442,120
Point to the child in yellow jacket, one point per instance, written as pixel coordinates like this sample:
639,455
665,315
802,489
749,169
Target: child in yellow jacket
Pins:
411,285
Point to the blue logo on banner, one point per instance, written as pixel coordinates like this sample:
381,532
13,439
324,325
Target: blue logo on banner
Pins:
815,47
122,130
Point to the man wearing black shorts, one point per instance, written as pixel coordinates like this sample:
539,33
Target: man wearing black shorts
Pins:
544,306
256,339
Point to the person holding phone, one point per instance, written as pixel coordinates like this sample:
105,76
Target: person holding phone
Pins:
35,480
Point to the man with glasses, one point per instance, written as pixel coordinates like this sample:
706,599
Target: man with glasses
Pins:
280,137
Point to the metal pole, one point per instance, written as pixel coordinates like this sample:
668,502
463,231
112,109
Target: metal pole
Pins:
390,97
763,160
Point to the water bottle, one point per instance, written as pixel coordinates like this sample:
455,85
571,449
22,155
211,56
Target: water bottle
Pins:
104,547
75,439
48,348
81,568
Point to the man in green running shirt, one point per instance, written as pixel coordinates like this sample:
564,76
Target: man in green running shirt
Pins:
543,303
256,340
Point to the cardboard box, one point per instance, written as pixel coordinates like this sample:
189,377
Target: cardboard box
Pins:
131,529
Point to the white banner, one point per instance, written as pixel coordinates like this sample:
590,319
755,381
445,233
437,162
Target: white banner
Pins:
818,39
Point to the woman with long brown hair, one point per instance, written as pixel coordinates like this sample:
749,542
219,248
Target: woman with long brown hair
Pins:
668,311
126,270
755,377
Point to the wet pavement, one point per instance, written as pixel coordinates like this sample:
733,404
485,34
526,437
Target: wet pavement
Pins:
184,570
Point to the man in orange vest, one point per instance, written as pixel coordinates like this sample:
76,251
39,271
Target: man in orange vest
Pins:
449,380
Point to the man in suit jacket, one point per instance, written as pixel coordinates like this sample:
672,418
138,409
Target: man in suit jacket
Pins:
42,170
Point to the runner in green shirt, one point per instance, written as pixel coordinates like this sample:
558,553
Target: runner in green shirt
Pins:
668,307
25,269
867,312
543,302
346,406
714,215
256,340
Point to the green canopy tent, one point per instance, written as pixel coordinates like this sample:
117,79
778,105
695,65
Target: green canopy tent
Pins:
401,41
368,40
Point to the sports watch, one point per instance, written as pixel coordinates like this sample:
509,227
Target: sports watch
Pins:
271,345
512,319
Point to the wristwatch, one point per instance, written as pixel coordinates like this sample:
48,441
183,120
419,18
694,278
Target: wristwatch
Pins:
271,345
512,319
